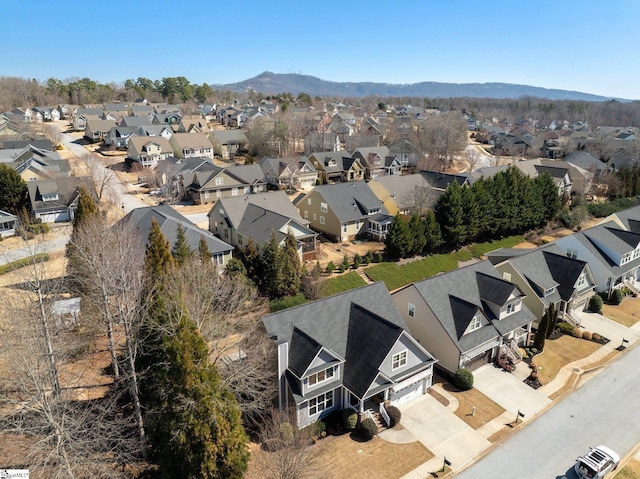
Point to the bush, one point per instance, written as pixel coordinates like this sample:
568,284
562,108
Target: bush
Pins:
368,428
378,258
565,327
317,428
331,267
394,415
463,379
356,261
587,335
595,304
596,337
617,296
369,257
576,333
39,228
287,302
349,419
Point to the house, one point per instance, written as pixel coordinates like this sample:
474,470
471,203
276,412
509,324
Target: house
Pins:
344,211
405,194
560,177
548,276
335,166
8,224
377,162
136,121
156,130
168,220
55,201
65,111
148,150
97,130
241,219
351,350
613,254
188,145
467,317
227,143
40,143
586,160
34,163
297,172
193,125
209,184
46,113
441,181
80,117
169,118
119,136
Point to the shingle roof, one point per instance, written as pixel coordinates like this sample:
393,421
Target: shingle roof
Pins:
192,140
442,180
302,350
350,201
66,188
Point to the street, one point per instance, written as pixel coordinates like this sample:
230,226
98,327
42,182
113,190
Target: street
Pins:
602,412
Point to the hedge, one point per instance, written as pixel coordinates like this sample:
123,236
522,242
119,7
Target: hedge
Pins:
39,258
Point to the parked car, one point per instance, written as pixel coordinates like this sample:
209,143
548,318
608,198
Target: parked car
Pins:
597,463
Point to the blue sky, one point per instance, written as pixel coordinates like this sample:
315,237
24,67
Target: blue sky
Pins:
589,46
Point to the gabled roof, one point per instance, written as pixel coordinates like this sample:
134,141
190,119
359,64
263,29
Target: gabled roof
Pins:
302,351
585,160
192,140
168,220
136,121
630,218
349,201
259,224
229,137
139,142
602,234
442,180
275,201
66,188
100,125
402,188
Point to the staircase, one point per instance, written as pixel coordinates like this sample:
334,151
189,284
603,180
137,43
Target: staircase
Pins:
362,274
377,418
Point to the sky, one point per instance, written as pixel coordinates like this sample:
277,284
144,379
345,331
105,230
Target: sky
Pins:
590,46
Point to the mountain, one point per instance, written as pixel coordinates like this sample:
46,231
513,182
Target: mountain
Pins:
273,83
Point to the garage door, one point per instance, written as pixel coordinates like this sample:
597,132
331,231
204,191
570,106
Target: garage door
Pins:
407,394
480,360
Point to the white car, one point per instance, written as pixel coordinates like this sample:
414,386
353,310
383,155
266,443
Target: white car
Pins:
597,463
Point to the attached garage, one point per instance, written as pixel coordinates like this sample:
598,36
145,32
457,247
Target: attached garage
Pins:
478,361
405,395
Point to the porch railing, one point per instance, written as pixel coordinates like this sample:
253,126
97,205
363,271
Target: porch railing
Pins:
384,414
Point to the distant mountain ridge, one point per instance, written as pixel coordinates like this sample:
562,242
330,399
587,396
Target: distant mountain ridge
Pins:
294,83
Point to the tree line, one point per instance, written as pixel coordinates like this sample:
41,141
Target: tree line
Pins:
505,204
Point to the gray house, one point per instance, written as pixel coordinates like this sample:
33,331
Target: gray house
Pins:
349,350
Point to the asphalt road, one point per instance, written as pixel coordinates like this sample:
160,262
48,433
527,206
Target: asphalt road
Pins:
42,247
119,190
603,411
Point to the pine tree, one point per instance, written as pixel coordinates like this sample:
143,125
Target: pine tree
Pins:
471,216
432,235
270,273
417,234
548,191
87,208
485,208
290,267
157,257
13,190
541,333
251,260
397,241
199,434
553,319
203,250
449,213
181,250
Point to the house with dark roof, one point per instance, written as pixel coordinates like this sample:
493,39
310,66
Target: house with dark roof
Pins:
377,162
255,218
335,166
8,224
119,136
586,160
628,219
168,220
612,252
227,143
467,317
349,350
344,211
56,200
546,275
209,184
297,172
441,181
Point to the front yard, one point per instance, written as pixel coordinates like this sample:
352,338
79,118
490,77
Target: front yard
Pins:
560,352
626,313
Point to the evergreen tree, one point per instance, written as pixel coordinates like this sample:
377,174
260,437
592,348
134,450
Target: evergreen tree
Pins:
417,234
157,257
290,267
485,208
87,208
181,250
432,235
548,191
471,215
251,260
203,250
397,242
450,215
553,319
13,190
270,275
541,333
199,434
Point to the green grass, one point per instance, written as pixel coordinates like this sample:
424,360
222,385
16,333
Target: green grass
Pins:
287,302
39,258
479,249
339,284
395,276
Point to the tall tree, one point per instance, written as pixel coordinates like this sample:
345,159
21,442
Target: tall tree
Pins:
203,250
450,215
397,241
181,250
270,274
157,257
290,266
417,234
87,208
432,234
13,190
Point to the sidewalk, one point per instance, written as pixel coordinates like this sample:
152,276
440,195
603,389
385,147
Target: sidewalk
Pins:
436,426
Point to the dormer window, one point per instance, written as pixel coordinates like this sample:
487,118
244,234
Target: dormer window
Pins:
549,292
321,376
333,163
399,360
475,323
50,197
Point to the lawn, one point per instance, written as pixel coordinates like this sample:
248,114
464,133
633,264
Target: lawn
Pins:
486,409
560,352
341,456
631,470
339,284
624,313
479,249
20,263
395,276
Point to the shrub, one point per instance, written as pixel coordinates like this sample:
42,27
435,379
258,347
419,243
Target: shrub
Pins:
349,419
369,257
368,428
318,428
565,327
394,415
463,379
378,258
331,267
286,432
596,337
595,304
587,335
576,333
617,296
356,261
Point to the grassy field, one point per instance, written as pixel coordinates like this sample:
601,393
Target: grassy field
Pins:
479,249
631,470
339,284
626,313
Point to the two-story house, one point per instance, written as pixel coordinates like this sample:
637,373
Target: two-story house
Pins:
227,143
148,150
290,173
377,161
344,211
210,183
467,317
56,200
336,166
351,350
190,145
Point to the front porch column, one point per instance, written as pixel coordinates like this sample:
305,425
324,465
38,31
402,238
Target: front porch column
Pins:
360,406
386,394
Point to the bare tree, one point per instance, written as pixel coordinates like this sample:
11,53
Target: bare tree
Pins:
53,133
102,176
471,158
53,403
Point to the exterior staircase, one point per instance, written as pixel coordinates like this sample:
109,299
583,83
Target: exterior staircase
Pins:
362,274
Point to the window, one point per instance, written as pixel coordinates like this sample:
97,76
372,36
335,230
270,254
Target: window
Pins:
239,239
475,323
344,227
572,253
218,259
320,403
322,220
323,207
506,276
321,376
357,225
234,191
206,194
226,233
306,215
219,181
50,197
582,280
33,179
218,194
399,360
411,310
308,201
511,307
314,217
247,190
549,292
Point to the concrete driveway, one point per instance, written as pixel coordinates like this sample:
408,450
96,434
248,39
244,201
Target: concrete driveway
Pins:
612,330
509,391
